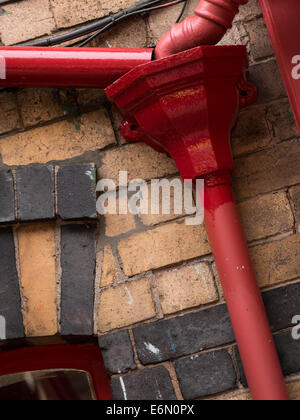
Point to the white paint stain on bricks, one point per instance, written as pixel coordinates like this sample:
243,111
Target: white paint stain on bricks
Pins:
2,68
2,328
123,389
152,349
130,302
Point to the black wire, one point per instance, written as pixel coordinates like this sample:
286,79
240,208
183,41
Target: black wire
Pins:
100,31
92,27
182,11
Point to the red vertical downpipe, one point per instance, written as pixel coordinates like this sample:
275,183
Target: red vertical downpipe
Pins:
243,298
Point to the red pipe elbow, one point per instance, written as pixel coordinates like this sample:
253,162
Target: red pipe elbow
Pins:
213,18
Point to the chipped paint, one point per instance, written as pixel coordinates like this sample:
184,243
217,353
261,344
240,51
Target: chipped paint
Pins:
2,68
123,389
173,347
130,302
152,349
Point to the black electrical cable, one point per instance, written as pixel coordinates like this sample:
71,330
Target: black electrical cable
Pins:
92,27
146,10
182,11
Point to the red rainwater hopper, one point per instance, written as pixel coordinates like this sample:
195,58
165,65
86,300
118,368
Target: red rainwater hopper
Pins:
186,105
282,19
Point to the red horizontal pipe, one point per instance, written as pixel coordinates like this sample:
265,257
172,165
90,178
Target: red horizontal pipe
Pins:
67,67
213,18
244,301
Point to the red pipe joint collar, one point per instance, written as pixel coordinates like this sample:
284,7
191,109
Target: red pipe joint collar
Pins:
213,18
186,105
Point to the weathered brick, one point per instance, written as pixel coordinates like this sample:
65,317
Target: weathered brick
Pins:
109,269
149,384
38,279
90,97
293,389
277,262
72,12
266,215
184,335
118,224
266,76
117,352
7,198
9,117
282,305
260,41
135,304
59,141
249,11
151,219
281,120
295,194
162,246
139,160
78,262
237,35
76,192
10,300
268,170
186,287
35,192
207,374
130,34
39,105
25,20
252,132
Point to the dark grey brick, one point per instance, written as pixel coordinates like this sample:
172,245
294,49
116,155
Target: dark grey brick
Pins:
76,192
288,352
207,374
181,336
149,384
35,192
270,87
117,352
282,304
7,198
78,261
10,300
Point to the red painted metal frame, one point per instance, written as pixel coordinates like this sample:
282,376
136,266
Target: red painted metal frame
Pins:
86,358
67,67
186,105
282,19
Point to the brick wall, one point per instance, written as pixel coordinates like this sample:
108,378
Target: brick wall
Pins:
146,286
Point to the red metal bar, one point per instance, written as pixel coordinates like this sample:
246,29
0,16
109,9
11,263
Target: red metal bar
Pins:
244,301
67,67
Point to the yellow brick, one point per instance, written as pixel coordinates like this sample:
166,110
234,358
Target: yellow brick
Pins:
39,105
278,261
186,287
109,270
294,390
38,279
118,224
168,244
72,12
267,215
25,20
9,117
155,219
59,141
125,305
139,160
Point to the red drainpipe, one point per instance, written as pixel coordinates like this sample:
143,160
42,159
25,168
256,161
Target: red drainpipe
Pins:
213,19
67,67
185,105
